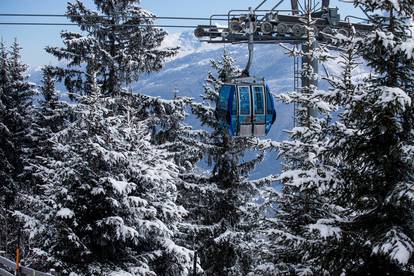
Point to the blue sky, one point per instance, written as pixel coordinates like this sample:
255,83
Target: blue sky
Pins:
34,38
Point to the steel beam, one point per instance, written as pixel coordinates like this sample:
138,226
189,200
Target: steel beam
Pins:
295,7
225,35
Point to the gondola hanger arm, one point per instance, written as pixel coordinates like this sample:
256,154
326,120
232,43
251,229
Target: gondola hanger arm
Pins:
246,71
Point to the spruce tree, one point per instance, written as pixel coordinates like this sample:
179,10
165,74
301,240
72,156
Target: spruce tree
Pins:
118,41
6,135
15,142
52,113
220,201
107,181
372,142
302,217
50,116
365,224
8,187
108,202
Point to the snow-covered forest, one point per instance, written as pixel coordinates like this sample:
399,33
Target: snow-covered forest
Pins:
110,180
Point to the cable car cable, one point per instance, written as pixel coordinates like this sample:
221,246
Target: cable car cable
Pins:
104,16
109,25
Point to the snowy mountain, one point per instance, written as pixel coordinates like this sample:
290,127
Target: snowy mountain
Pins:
186,73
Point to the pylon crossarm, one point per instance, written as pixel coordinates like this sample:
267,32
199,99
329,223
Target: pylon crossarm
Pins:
272,26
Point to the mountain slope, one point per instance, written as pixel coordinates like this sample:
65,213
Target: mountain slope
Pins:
186,73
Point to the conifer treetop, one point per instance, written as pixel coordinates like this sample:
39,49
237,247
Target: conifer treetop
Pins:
118,41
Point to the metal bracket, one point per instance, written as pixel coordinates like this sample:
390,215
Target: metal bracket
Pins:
274,26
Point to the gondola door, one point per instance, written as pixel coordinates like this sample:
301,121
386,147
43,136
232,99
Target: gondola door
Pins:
234,120
245,111
270,110
259,115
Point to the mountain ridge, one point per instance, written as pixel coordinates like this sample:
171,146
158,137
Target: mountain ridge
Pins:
187,71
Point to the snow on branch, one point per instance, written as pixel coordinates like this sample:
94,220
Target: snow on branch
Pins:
396,245
325,228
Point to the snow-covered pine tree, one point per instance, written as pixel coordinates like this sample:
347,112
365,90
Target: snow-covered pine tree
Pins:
373,142
222,214
52,114
8,187
19,103
118,39
15,109
48,117
109,195
177,137
295,238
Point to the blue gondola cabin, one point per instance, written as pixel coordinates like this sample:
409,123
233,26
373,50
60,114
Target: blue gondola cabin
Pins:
246,108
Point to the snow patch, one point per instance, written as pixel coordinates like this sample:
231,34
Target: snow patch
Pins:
65,213
122,187
394,95
325,229
398,246
187,42
120,273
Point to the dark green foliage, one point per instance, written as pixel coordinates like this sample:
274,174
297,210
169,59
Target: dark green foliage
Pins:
107,202
15,140
347,202
373,141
